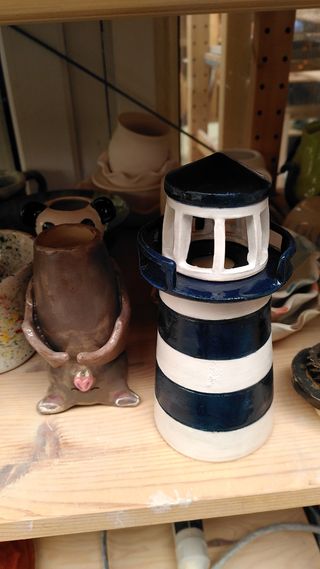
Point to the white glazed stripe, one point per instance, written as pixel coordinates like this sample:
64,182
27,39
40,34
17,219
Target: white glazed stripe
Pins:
211,310
213,446
214,376
220,212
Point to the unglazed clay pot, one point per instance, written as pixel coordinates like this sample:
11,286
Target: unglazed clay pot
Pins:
77,316
250,158
16,252
139,144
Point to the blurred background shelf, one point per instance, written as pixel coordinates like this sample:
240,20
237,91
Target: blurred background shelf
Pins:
75,10
143,548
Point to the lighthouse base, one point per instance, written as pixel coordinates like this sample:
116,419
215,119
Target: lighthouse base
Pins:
213,446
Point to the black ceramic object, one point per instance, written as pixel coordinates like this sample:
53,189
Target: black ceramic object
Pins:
306,374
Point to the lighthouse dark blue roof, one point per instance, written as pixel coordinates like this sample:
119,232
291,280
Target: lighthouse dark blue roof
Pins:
216,181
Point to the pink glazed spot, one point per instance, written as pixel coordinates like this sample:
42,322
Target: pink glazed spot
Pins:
83,381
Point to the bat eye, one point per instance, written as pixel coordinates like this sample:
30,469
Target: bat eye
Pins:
88,221
46,225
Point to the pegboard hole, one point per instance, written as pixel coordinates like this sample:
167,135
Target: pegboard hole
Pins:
278,112
259,113
288,30
281,85
285,58
267,30
257,137
261,86
276,136
273,160
264,59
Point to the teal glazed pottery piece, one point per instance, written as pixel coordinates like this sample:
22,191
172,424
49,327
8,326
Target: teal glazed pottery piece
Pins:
216,269
16,253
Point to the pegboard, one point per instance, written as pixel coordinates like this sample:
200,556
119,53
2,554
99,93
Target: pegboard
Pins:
272,46
197,35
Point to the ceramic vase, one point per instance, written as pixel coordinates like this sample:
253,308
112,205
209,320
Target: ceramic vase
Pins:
139,144
77,316
216,270
16,252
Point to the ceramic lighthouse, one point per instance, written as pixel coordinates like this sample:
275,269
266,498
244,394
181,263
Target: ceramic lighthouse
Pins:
216,264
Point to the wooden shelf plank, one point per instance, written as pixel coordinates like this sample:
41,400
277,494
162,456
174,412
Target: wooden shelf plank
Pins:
96,468
23,11
100,468
141,548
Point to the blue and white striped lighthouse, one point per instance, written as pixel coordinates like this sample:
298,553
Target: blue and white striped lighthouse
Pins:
216,266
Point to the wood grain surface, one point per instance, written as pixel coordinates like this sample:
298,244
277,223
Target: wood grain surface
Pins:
95,468
142,548
19,11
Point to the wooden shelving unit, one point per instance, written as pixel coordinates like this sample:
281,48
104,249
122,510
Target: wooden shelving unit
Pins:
19,11
142,548
100,468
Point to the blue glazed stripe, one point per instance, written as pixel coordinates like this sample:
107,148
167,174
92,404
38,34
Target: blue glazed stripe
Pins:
215,339
219,412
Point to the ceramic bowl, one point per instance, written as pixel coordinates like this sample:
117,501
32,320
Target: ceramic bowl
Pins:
16,253
294,303
145,180
304,219
141,192
139,143
305,264
297,301
281,330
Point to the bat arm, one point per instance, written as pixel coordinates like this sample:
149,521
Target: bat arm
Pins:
54,359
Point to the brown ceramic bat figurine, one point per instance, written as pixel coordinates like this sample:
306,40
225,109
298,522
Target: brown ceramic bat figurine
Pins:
76,317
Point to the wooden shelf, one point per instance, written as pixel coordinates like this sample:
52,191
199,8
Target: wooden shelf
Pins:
100,468
142,548
23,11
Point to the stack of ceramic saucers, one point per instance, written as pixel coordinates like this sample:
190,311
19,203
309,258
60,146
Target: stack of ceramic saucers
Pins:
136,162
298,301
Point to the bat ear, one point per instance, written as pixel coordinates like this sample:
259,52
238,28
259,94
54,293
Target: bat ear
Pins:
29,213
105,209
